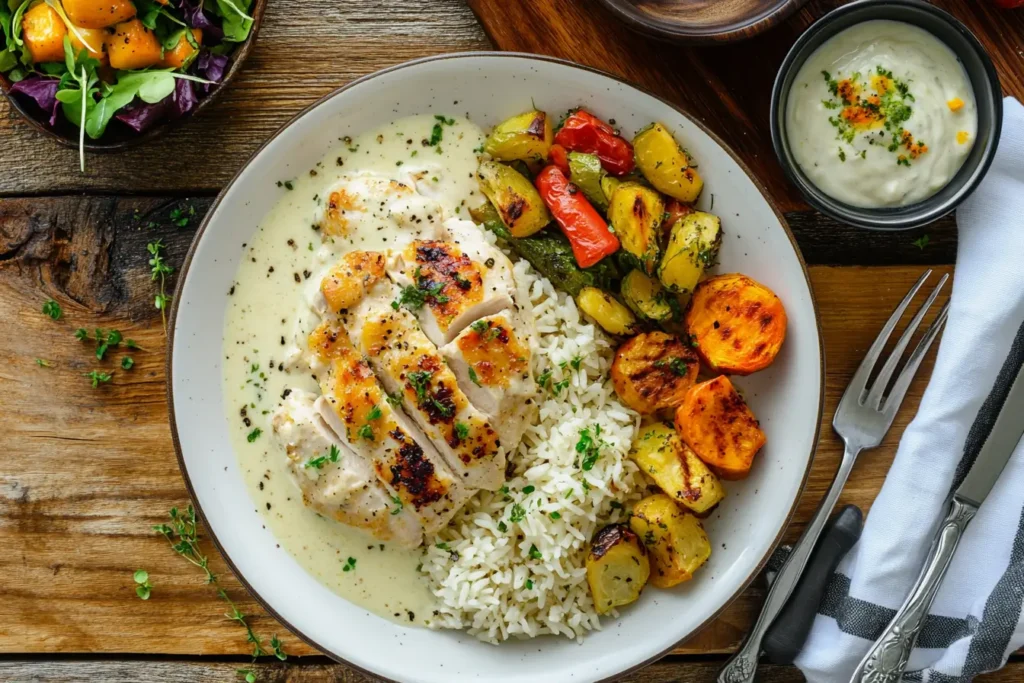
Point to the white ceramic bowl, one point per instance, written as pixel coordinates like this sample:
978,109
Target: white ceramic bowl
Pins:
744,530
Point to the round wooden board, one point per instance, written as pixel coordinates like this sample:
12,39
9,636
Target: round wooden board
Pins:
702,21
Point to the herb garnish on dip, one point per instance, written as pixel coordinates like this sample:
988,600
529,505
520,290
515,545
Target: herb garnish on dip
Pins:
881,115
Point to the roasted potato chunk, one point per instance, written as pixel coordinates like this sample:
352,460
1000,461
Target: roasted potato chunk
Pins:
647,297
635,213
693,245
738,324
665,165
674,538
518,203
617,567
43,32
717,424
524,137
613,317
676,469
653,371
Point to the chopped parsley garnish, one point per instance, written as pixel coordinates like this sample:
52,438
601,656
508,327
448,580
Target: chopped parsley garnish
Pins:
319,461
375,413
143,588
98,377
461,431
502,527
529,488
544,378
479,327
410,297
43,363
589,447
922,242
517,514
442,546
555,515
366,432
398,505
534,553
127,363
529,584
350,565
395,399
420,381
576,362
254,434
560,386
473,377
52,309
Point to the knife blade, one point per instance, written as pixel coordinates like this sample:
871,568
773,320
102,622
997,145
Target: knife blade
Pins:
998,446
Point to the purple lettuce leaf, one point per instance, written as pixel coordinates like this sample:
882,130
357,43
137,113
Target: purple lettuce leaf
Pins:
211,67
197,18
141,116
42,91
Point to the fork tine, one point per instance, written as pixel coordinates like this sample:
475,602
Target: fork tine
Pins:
899,388
859,382
874,399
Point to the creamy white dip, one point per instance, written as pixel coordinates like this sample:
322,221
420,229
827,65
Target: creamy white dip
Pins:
881,115
267,319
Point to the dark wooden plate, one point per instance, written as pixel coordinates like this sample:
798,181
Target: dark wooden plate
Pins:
702,21
119,137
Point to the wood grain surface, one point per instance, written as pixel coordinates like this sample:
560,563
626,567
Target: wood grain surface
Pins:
84,472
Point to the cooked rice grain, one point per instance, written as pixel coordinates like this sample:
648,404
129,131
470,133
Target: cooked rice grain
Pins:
527,577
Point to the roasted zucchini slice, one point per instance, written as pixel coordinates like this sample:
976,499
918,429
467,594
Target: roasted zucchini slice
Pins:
518,203
586,173
647,297
692,247
524,137
635,213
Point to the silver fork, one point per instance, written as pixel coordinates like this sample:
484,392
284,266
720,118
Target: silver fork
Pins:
864,415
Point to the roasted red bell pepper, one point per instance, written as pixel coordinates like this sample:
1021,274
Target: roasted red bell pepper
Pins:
559,157
588,234
584,132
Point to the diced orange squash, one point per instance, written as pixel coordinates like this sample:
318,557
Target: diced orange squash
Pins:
183,51
95,42
717,424
98,13
43,31
133,46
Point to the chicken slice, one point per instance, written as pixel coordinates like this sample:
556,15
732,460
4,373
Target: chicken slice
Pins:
447,288
356,408
347,282
374,202
334,481
410,366
492,363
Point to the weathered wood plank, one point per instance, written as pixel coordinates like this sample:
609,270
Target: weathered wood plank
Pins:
305,50
85,472
318,670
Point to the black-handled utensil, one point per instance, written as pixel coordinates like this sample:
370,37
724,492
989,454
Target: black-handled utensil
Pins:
786,636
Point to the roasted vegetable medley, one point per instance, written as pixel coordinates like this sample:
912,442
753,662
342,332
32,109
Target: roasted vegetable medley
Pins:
136,62
612,222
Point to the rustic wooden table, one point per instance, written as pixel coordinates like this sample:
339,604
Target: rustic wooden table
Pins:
85,473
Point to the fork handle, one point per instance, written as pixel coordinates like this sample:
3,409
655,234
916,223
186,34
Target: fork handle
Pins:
743,665
887,658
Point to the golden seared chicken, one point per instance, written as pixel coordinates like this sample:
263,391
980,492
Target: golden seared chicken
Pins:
377,202
491,359
356,407
414,373
449,284
334,481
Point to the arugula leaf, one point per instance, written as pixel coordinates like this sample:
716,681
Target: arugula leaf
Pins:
237,23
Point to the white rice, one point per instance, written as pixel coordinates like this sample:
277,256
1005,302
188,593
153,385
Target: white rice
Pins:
479,573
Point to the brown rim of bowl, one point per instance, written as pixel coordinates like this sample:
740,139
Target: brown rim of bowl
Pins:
676,31
183,274
238,57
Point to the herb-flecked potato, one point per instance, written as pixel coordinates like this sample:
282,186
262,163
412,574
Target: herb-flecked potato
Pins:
693,245
518,203
665,165
647,297
738,324
525,137
653,371
133,46
611,315
676,469
674,538
617,567
636,212
717,424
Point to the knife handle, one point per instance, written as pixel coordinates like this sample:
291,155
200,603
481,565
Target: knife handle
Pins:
787,635
887,658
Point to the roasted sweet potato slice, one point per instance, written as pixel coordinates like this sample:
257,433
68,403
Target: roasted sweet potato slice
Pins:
652,372
738,324
717,424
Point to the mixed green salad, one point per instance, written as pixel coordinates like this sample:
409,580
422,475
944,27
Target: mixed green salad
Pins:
88,63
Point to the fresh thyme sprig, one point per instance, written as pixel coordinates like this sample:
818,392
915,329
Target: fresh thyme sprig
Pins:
181,533
160,270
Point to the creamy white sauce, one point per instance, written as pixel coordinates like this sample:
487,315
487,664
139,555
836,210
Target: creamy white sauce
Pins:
858,168
267,319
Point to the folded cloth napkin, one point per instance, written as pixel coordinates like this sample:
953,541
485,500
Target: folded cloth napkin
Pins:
976,620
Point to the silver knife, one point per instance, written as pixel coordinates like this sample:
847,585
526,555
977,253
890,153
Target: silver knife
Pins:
887,658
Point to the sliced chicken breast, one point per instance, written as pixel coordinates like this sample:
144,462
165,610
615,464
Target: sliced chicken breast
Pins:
447,288
357,409
491,360
377,202
411,368
334,481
